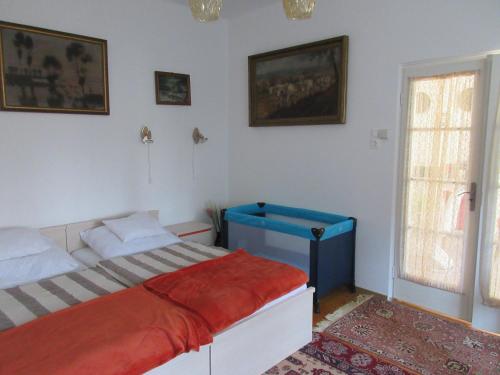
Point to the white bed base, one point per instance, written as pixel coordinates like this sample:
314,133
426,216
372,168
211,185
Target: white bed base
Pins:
253,345
250,347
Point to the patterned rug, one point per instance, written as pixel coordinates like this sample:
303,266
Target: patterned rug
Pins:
418,341
328,356
375,336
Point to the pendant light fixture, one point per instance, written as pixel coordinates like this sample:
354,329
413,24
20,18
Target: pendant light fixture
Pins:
299,9
209,10
205,10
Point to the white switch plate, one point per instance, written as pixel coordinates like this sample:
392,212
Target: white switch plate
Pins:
376,136
383,134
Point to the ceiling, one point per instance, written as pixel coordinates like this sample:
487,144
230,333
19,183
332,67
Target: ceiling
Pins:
235,8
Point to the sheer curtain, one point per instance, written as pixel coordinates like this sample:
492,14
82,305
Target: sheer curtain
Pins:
437,168
490,249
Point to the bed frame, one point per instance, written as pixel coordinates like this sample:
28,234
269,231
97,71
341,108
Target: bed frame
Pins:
250,347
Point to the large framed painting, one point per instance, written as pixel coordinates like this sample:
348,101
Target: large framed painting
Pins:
301,85
173,88
50,71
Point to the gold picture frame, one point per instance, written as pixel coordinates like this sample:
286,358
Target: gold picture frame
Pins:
44,70
300,85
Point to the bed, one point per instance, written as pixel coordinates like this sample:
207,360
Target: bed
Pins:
251,346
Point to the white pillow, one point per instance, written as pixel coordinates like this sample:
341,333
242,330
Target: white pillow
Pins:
108,245
31,268
138,225
19,242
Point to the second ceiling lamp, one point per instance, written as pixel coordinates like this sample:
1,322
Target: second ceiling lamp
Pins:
209,10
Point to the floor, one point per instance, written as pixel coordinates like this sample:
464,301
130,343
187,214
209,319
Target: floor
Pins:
335,300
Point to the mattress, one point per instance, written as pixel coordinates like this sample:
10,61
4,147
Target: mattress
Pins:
135,269
28,302
87,256
276,301
25,303
282,298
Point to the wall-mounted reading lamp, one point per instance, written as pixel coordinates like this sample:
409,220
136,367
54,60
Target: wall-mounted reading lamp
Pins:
198,137
146,136
147,139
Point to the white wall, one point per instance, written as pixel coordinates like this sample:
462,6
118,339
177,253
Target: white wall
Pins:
331,168
58,168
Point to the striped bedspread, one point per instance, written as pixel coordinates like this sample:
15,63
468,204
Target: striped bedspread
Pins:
25,303
134,269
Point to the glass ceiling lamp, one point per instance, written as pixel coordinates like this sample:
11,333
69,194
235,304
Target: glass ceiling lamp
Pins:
205,10
299,9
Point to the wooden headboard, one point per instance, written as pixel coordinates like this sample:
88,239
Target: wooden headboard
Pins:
68,236
57,233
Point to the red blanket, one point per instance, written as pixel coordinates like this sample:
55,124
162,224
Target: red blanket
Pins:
128,332
132,331
227,289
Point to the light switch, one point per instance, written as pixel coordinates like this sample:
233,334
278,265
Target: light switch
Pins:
378,135
382,134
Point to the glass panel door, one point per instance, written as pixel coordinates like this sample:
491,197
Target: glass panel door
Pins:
437,179
438,222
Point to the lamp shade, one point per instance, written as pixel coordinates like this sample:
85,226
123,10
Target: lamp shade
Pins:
205,10
299,9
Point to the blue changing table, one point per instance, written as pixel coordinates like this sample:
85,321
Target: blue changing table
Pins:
321,244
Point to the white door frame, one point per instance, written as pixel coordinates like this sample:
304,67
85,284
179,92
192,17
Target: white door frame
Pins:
485,317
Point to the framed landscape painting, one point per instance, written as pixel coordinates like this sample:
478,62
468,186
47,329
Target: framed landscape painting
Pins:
50,71
302,85
173,88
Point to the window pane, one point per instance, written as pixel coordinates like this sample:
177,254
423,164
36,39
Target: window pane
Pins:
436,174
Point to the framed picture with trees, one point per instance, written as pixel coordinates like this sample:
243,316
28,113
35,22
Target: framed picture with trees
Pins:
50,71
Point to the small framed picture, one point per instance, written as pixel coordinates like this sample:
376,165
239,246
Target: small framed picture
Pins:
173,88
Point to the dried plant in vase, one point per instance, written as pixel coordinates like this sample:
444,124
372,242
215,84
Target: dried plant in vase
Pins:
214,213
